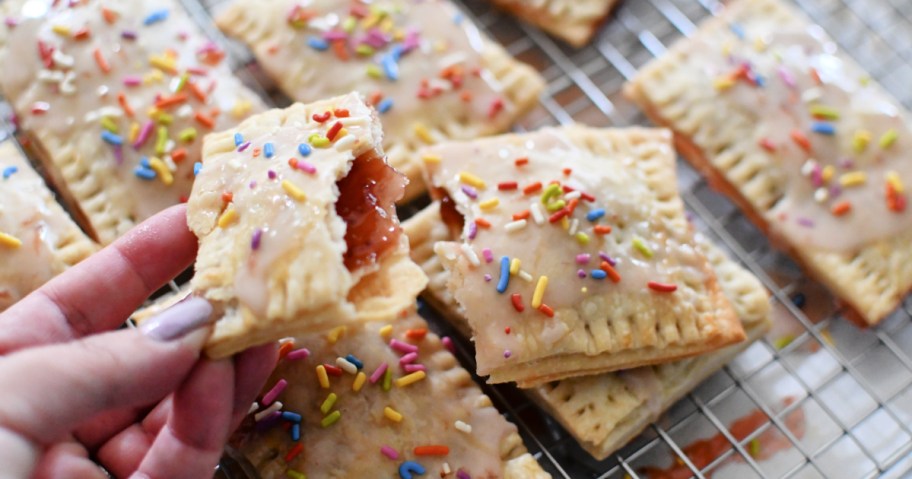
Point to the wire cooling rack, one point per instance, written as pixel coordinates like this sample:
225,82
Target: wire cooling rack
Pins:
837,400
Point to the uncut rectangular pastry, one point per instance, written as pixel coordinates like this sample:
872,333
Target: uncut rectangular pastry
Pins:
38,240
815,152
605,411
428,70
574,256
574,21
379,400
116,96
295,213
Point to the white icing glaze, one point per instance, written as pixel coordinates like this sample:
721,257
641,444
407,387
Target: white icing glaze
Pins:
549,249
262,203
29,213
77,93
803,72
351,447
437,38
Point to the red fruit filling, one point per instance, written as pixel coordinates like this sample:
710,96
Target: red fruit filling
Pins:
367,204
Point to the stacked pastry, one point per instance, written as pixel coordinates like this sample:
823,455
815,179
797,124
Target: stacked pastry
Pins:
566,255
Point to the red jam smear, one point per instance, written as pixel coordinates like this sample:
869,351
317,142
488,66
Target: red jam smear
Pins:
703,452
367,204
448,212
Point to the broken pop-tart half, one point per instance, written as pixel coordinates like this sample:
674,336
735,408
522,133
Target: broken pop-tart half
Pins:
604,411
379,400
815,152
574,21
38,239
574,255
429,71
298,231
116,97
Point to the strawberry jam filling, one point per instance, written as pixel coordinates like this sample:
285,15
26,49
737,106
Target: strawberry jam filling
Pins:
448,212
367,204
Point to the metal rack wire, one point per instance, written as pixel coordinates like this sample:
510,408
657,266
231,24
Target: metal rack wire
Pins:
852,387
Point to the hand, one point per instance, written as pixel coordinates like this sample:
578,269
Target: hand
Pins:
140,402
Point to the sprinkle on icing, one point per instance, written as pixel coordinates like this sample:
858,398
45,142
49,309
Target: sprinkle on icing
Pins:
410,468
227,218
662,287
471,180
392,414
322,376
642,248
294,452
433,450
293,191
328,403
144,104
844,153
9,241
539,293
557,203
410,379
331,418
462,426
274,393
389,452
504,280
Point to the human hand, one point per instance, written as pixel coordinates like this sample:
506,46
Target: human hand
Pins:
141,402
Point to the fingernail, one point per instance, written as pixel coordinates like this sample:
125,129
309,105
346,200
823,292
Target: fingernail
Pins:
178,320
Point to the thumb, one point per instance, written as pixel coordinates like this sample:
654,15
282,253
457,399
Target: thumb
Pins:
47,391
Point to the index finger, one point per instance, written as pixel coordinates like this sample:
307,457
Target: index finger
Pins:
99,293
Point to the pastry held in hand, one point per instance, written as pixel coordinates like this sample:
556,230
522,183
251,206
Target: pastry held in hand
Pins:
117,96
605,411
574,21
429,71
297,225
796,133
392,399
576,256
38,240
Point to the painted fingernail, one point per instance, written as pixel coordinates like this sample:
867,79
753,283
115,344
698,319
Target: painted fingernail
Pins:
178,320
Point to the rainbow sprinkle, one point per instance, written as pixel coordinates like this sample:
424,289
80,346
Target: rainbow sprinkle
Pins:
392,414
406,345
9,241
408,468
157,16
410,379
504,280
331,419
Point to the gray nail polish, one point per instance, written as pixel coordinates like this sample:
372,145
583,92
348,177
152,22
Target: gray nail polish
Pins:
178,320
